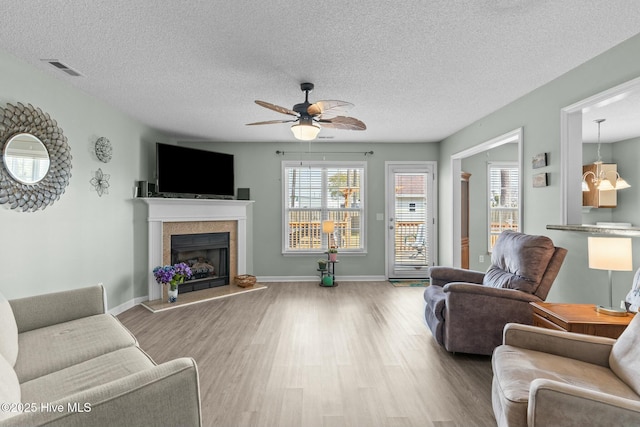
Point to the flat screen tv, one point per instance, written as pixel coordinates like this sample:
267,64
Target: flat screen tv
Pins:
191,172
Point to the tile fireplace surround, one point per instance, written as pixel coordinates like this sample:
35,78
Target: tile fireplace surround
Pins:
186,216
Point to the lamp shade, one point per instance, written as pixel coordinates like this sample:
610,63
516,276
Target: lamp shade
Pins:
605,185
621,184
585,186
610,253
328,226
305,132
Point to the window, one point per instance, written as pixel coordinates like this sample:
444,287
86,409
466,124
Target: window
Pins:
317,191
503,199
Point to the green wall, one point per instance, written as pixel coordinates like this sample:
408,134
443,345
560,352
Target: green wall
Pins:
82,239
258,167
538,112
627,155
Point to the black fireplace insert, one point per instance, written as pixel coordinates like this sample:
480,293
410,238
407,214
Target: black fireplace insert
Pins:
207,254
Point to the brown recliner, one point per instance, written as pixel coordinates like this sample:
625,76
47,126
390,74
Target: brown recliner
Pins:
467,310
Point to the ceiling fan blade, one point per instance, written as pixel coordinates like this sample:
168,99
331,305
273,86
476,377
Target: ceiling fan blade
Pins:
343,122
277,108
270,122
330,107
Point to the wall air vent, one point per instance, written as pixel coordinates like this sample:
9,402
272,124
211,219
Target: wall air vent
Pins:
63,67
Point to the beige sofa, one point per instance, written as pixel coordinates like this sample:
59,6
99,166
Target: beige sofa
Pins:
543,377
65,362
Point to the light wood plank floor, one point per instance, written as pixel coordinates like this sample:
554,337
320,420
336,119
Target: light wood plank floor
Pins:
298,354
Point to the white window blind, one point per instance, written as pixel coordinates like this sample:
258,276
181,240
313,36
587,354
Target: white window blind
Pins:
317,191
504,185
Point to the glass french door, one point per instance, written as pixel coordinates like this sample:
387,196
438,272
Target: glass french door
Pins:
410,221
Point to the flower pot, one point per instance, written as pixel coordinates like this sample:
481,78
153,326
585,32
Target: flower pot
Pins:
333,256
173,294
327,281
322,266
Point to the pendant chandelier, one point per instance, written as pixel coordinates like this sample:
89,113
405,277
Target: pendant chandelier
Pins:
603,180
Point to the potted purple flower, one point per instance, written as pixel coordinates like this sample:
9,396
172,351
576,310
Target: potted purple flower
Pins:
172,275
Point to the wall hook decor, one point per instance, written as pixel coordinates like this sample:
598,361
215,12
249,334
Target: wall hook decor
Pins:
100,182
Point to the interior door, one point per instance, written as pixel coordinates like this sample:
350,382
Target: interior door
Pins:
410,221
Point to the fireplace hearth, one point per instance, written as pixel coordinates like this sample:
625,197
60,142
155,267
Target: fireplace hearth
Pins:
207,254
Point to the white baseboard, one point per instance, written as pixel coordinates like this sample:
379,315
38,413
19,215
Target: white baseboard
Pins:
267,279
127,305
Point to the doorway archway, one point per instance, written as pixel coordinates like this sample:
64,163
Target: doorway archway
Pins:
514,136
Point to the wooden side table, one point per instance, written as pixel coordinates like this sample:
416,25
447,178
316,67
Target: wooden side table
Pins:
580,318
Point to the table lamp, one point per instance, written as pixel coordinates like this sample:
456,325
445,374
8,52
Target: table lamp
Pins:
328,227
611,254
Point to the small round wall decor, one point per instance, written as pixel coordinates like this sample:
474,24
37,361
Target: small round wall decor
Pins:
103,149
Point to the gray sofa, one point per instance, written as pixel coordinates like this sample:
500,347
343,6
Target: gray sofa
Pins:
65,362
466,310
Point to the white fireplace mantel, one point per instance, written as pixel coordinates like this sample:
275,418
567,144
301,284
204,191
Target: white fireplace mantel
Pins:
161,210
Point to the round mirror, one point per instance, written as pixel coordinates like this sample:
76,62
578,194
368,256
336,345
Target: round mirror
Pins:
36,164
26,158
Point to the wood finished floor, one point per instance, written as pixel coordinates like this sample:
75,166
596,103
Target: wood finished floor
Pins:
298,354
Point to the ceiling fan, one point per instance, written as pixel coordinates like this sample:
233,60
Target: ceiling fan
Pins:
311,117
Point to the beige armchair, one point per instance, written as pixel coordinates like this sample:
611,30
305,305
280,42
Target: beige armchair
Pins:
466,310
543,377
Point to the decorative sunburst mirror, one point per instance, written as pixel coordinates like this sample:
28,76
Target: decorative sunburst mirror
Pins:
36,159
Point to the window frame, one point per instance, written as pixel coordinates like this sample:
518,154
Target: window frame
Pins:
323,164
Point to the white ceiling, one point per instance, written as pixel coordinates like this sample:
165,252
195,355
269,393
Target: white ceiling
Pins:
622,118
416,70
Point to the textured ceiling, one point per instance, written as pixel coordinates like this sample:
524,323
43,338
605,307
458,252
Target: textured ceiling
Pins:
416,70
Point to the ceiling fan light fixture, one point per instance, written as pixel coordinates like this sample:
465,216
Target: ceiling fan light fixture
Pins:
326,112
305,132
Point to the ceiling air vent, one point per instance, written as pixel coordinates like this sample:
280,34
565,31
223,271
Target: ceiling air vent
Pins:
63,67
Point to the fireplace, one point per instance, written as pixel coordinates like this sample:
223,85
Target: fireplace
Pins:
208,256
167,217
